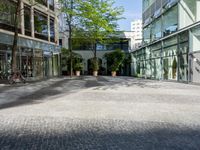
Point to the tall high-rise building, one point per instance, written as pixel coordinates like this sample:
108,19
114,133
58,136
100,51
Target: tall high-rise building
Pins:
136,28
171,41
38,53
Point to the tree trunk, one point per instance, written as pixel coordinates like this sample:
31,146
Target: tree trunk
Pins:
70,39
95,49
15,40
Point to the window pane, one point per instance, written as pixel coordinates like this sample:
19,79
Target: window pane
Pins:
170,21
41,28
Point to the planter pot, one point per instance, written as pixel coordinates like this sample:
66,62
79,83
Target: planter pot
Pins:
114,73
95,73
78,73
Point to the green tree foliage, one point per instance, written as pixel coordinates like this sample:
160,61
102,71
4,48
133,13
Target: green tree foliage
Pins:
76,59
93,20
98,20
115,59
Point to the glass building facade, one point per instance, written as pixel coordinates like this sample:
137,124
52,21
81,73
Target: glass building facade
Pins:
171,41
38,53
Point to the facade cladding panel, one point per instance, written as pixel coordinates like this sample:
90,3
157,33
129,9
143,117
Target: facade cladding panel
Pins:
38,54
171,41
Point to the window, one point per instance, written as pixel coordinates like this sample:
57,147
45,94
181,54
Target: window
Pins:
27,20
170,21
51,4
52,30
41,27
60,42
156,30
7,15
146,35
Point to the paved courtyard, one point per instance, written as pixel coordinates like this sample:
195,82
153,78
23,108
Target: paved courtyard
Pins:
100,114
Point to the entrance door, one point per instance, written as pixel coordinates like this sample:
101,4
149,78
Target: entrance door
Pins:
165,68
46,67
2,62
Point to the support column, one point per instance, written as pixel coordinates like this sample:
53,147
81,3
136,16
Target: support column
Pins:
56,30
32,22
22,18
48,23
198,10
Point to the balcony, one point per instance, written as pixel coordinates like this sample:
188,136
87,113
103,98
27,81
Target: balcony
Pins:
42,2
8,27
41,36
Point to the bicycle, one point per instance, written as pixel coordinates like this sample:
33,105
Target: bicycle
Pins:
16,77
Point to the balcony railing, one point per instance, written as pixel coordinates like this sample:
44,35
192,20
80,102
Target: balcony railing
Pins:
43,2
28,32
8,27
41,36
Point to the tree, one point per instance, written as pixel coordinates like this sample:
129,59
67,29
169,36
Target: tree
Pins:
75,58
93,20
67,7
99,21
115,59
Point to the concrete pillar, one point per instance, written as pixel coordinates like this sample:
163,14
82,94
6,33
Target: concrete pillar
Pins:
198,11
22,18
32,22
56,29
48,23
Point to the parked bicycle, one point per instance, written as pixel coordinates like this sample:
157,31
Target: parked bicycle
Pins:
16,77
4,75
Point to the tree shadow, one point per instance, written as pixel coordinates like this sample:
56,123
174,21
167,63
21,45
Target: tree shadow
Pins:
98,139
127,82
49,92
52,91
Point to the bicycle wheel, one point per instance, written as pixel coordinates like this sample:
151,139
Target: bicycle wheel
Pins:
10,80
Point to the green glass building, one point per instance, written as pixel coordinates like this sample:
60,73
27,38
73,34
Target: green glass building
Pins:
171,41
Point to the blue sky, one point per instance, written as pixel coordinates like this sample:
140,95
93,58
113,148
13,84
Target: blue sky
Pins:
133,10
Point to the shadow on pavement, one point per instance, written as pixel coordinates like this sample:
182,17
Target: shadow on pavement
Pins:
50,92
60,87
156,139
39,95
126,82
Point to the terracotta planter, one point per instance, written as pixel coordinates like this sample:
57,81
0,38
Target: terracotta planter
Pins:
95,73
114,73
78,73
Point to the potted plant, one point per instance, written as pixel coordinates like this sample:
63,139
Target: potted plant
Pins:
95,66
78,67
115,59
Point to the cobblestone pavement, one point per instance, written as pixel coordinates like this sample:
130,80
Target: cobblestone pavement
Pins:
101,113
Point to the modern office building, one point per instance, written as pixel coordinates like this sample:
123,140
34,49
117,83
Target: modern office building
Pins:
136,28
38,53
171,41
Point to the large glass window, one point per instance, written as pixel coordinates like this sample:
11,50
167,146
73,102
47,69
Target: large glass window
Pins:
146,35
170,21
51,4
52,30
38,63
41,27
7,15
183,56
27,20
170,67
156,30
27,62
156,61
